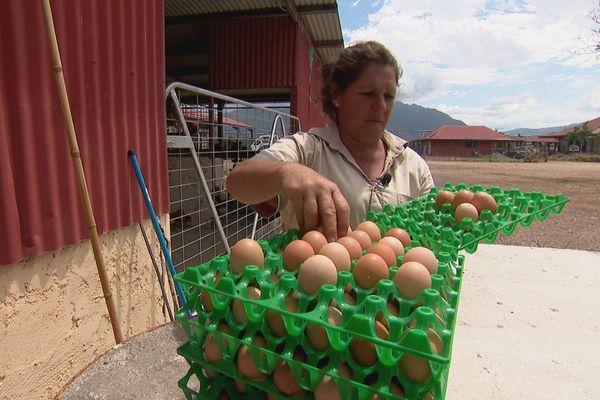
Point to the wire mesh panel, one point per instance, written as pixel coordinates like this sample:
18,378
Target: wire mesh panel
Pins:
207,134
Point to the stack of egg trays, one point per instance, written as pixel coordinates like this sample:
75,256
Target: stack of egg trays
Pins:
437,229
435,309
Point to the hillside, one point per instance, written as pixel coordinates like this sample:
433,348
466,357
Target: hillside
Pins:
411,121
535,132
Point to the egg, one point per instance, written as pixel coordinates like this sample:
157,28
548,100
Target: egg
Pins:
241,386
327,389
284,379
385,251
484,201
239,312
295,253
371,228
394,243
246,252
352,245
443,197
392,309
411,279
205,299
363,351
212,353
316,334
348,299
275,320
337,253
424,256
369,270
394,388
315,272
246,365
463,196
316,240
361,237
401,235
466,210
417,368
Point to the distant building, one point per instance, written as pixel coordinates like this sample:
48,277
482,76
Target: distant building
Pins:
592,144
475,141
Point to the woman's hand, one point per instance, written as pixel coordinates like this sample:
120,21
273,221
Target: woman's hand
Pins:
316,200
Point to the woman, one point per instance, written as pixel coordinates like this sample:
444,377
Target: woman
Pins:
331,177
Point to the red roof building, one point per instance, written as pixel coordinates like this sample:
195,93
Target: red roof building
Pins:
592,144
462,141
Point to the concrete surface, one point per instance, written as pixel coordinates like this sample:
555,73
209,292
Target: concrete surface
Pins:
527,329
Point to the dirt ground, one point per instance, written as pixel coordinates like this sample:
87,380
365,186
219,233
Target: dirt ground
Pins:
576,227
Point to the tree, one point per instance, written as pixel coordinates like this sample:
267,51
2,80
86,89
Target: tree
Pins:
591,44
579,135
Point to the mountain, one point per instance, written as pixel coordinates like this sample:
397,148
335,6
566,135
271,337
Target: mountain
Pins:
411,121
536,132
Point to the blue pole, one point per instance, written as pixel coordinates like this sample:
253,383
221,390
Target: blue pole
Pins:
155,223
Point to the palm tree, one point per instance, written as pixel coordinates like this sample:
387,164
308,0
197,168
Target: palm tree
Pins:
579,135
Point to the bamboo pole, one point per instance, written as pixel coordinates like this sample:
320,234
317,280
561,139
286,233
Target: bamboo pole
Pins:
79,173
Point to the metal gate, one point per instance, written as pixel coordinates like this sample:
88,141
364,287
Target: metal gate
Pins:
207,134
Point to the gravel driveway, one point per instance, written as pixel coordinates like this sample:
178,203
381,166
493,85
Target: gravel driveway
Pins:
576,227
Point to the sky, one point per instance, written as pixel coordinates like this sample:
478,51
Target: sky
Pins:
503,64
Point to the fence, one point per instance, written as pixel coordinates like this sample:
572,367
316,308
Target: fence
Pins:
207,134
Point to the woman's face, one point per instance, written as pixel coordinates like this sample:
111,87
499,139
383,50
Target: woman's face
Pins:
365,106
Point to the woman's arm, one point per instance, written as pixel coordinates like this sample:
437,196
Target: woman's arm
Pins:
316,200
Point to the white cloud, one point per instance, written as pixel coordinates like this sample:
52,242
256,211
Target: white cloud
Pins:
447,47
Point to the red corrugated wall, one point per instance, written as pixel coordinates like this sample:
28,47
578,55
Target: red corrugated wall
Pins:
113,59
252,53
458,148
306,93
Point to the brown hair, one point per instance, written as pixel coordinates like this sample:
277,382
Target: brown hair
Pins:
337,76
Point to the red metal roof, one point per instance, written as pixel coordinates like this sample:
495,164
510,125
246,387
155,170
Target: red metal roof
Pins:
203,115
594,125
462,132
534,139
113,60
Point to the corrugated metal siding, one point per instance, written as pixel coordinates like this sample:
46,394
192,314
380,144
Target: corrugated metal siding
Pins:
187,7
252,53
113,58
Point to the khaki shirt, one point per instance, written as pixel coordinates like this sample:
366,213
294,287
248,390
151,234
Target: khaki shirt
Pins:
322,150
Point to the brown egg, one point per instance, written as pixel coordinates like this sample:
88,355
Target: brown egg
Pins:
363,351
212,353
205,299
239,312
466,210
352,245
284,379
394,389
337,253
275,320
246,252
316,334
361,237
241,386
394,243
245,364
417,368
401,235
315,272
296,253
392,309
463,196
371,228
385,251
348,299
369,270
443,197
484,201
316,240
411,279
424,256
327,389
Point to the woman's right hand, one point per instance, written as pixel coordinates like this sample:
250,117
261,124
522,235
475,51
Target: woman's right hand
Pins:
317,201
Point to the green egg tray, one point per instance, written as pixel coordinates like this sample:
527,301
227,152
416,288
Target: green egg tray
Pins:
434,309
437,229
357,321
